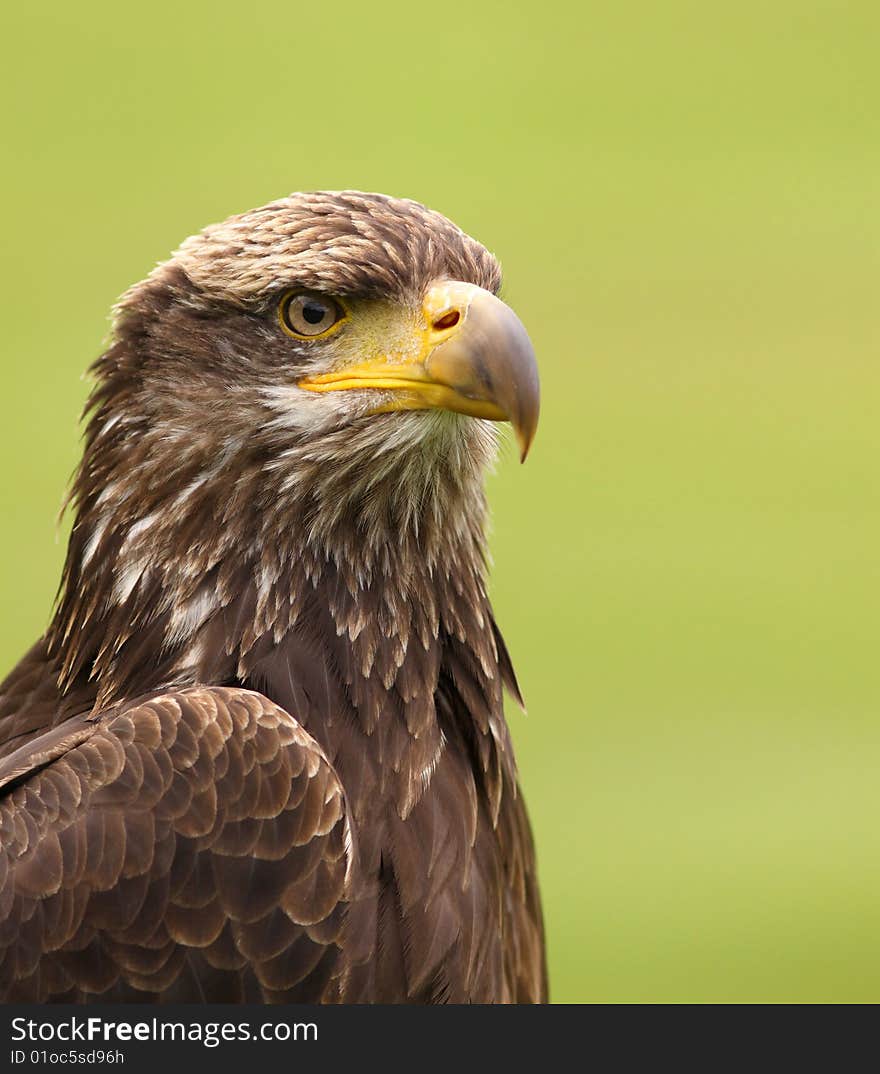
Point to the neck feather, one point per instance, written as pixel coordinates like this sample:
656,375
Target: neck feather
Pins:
185,554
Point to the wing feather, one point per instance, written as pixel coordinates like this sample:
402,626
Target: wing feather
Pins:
144,848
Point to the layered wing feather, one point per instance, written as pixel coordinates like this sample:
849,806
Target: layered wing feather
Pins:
190,847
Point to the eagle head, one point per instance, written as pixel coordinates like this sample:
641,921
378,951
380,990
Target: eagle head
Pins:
350,306
316,380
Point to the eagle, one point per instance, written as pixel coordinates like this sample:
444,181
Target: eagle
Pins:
260,753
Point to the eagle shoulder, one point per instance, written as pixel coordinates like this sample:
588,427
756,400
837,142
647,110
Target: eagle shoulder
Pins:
193,844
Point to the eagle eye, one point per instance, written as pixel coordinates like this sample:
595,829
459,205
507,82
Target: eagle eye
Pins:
308,315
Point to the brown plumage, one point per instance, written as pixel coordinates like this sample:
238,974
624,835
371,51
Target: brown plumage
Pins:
260,754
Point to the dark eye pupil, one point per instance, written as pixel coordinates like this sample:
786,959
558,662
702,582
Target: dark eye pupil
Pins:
313,313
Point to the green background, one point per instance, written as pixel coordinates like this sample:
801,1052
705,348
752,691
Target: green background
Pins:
685,200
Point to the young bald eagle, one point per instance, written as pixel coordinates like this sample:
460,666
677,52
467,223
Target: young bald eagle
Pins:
260,754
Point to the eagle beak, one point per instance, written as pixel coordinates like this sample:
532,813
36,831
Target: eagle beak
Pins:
474,357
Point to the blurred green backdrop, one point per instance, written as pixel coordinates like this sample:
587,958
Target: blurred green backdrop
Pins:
685,200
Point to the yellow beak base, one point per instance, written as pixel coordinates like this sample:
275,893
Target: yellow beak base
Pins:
475,358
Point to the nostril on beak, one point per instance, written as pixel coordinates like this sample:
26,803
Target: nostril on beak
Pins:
446,320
